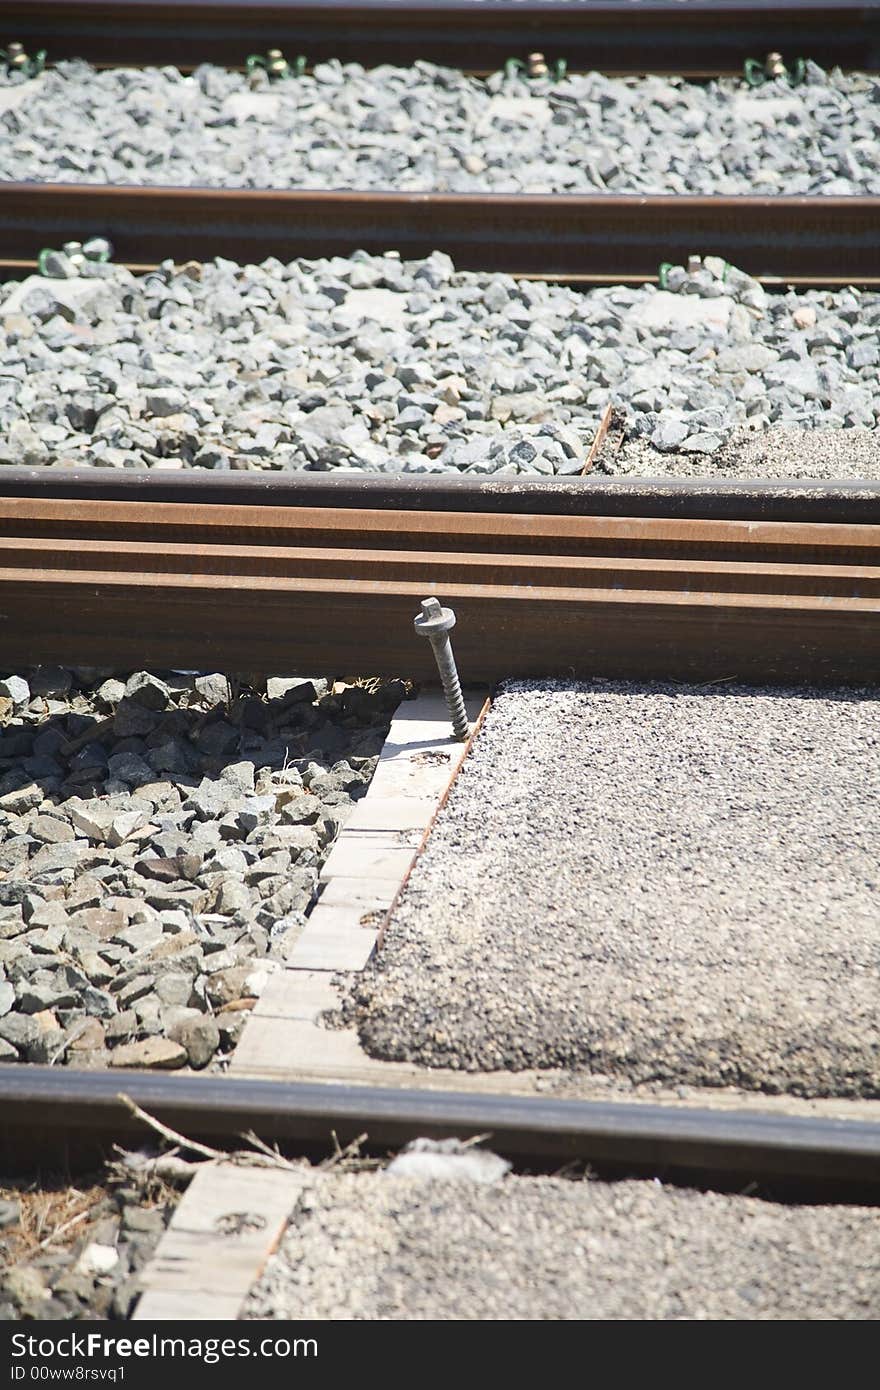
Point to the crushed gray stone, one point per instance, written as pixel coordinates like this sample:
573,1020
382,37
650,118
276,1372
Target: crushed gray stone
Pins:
155,851
377,364
775,453
76,1253
423,128
371,1246
655,883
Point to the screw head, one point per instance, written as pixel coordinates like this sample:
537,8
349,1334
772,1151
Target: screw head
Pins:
774,66
276,64
536,65
433,619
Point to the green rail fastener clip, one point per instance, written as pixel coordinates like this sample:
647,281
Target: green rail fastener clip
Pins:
663,274
15,59
797,73
276,65
755,73
75,254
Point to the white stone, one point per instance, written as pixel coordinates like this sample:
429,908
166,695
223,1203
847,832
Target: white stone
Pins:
257,980
75,295
97,1259
531,111
383,306
261,106
125,825
93,820
446,1160
766,111
16,689
665,310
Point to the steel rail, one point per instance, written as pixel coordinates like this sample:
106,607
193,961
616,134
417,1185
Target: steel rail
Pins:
24,521
603,237
119,583
844,502
355,625
75,1116
449,568
703,38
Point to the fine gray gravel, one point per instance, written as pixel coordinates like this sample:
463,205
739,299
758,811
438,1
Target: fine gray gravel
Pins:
660,884
379,364
424,128
159,836
774,453
371,1246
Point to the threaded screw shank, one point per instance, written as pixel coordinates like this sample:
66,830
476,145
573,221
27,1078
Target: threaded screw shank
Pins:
436,622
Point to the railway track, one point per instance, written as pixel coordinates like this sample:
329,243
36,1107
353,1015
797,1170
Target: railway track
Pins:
336,587
775,583
604,238
75,1118
609,35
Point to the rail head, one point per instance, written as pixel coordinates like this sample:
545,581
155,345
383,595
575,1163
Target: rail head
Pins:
854,502
77,1115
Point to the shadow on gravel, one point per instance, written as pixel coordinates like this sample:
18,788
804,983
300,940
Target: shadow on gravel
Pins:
158,834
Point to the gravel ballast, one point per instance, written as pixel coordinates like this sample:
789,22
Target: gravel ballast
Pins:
383,365
374,1246
657,884
160,837
426,128
75,1251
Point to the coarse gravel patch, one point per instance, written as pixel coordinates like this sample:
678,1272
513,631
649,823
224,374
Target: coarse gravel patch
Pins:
372,1246
424,128
159,835
378,364
74,1251
774,453
656,883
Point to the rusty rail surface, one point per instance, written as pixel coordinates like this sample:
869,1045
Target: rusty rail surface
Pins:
244,587
602,237
703,38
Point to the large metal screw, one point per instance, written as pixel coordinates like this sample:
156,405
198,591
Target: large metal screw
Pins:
536,65
436,622
774,66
